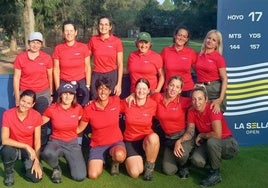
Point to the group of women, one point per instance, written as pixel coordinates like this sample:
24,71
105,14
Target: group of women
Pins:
162,88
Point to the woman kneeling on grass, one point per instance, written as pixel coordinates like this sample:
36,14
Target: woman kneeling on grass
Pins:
140,139
214,140
21,138
103,116
64,115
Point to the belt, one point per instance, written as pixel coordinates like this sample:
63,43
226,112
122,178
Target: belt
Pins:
210,82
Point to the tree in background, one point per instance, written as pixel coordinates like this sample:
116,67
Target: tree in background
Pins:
28,20
144,15
10,20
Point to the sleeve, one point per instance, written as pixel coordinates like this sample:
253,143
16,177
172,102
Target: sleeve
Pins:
155,97
85,116
90,46
215,116
39,120
85,50
221,62
55,54
48,112
159,62
191,116
163,54
6,120
49,61
17,64
185,102
194,57
122,105
119,46
80,110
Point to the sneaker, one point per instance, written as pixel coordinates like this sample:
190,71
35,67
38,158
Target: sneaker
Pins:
9,179
56,175
148,172
184,172
213,178
115,169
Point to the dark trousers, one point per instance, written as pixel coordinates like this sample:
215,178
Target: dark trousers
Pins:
11,154
213,151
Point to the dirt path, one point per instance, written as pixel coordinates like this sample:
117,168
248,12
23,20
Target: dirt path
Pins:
6,63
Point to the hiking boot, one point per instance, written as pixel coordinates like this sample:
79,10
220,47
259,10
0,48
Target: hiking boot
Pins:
148,172
115,169
184,172
9,179
213,178
56,175
9,173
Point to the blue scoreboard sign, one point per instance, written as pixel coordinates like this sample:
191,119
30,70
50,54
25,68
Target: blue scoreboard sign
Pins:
243,24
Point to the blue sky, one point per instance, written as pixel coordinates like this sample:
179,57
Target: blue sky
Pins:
160,1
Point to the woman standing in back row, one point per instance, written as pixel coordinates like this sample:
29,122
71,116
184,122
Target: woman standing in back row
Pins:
107,52
72,64
33,70
211,70
178,59
146,63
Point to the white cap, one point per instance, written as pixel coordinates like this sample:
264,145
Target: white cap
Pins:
36,36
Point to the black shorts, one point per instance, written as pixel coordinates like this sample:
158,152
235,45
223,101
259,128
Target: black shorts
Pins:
134,148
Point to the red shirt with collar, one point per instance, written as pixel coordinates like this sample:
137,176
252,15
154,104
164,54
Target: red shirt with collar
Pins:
22,131
171,116
71,60
33,72
208,65
64,121
105,52
104,123
138,119
144,66
203,121
179,63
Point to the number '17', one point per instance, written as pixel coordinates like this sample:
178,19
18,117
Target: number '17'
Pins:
255,16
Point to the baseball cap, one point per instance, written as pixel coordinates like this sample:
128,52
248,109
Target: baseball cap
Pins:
66,88
144,36
36,36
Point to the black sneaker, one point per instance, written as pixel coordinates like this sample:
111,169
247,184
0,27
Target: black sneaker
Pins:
213,178
9,179
56,175
115,169
184,172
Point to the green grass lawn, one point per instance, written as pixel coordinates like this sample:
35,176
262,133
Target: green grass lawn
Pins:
247,170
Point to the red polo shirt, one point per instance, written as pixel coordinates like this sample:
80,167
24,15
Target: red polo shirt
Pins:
64,121
138,119
171,117
179,63
203,121
71,60
208,65
105,52
104,123
33,72
22,131
144,66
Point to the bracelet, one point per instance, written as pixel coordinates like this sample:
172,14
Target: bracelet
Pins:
88,86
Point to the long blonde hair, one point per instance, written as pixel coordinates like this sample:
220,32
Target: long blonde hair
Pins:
219,47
